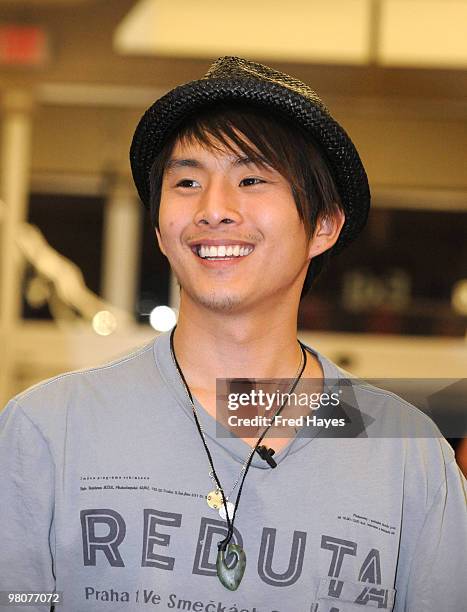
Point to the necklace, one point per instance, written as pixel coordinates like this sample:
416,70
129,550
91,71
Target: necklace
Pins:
214,497
230,576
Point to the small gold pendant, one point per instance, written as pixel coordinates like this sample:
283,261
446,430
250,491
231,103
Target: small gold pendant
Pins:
214,499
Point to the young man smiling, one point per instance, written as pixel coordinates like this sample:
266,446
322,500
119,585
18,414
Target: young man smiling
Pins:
119,490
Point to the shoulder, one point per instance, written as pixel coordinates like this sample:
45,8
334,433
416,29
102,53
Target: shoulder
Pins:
425,451
401,431
48,401
389,414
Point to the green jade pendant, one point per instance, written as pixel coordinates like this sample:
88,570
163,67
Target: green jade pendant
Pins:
231,577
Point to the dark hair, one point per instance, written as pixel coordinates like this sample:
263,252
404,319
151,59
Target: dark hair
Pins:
268,139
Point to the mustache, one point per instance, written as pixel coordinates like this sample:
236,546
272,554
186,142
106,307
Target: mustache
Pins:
253,238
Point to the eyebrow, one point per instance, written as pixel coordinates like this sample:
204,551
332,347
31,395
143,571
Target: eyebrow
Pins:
243,160
183,163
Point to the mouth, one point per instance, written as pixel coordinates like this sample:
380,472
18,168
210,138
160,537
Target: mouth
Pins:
222,252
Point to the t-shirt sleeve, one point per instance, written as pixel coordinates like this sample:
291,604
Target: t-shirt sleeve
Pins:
26,506
438,574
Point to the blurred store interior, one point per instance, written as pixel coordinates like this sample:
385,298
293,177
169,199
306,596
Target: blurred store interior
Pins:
80,273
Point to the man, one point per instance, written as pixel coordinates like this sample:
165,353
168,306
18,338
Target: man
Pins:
123,488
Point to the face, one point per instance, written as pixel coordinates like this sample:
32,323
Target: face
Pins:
231,230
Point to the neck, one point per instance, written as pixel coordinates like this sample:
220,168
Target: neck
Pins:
211,345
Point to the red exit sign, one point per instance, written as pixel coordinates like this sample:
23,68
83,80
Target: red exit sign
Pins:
22,45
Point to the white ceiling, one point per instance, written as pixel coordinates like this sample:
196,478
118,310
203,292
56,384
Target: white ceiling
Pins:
422,33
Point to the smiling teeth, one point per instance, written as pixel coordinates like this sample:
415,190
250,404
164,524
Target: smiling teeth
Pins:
224,251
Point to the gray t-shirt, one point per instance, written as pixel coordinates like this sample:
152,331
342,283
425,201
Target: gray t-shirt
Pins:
103,478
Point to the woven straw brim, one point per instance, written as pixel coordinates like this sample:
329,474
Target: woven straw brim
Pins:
167,113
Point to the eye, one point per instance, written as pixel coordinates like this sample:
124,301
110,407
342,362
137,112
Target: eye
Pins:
187,183
247,182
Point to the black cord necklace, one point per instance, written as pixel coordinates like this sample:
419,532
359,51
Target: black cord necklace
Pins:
231,576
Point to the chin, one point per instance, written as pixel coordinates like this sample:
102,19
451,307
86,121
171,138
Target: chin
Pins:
219,302
216,301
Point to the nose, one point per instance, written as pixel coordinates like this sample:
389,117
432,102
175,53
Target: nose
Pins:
217,204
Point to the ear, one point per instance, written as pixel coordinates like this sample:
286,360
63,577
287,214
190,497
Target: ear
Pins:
326,233
159,241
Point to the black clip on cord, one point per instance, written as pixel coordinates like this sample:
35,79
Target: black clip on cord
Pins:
266,454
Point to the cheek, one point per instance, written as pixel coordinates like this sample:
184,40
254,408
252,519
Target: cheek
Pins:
282,222
163,209
170,234
168,221
172,229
